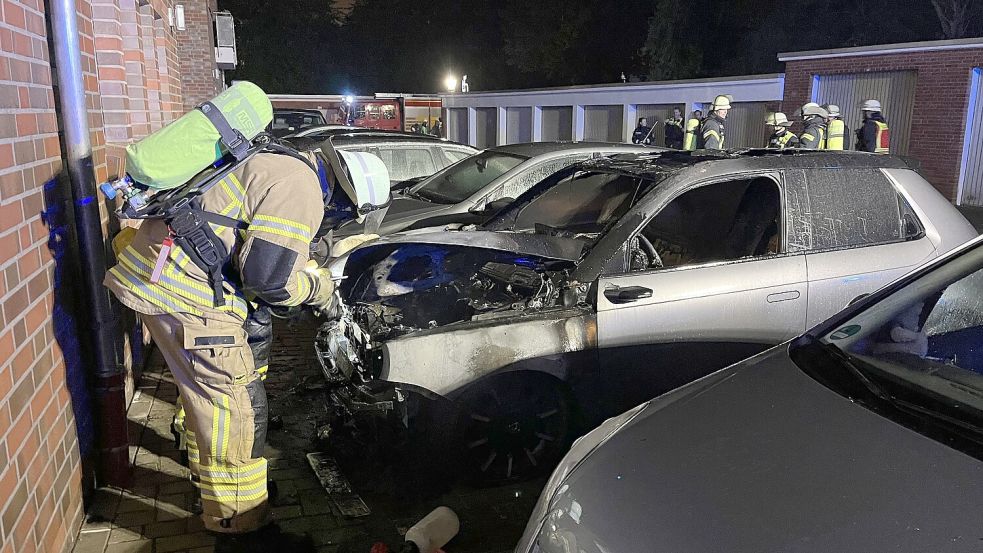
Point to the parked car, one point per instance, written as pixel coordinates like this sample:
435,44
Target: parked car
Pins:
472,188
407,156
288,121
864,434
618,279
320,131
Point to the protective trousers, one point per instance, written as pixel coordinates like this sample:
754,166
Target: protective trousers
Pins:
225,416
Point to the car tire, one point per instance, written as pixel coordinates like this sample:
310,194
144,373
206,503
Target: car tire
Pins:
514,426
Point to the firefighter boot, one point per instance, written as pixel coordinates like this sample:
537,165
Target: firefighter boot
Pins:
266,539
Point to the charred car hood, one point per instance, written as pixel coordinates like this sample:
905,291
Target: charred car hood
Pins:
403,212
403,253
760,457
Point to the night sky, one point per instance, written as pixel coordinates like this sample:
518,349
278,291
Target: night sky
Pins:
310,46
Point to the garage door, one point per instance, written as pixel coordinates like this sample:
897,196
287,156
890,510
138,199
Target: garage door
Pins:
603,123
557,123
657,115
971,177
487,127
894,89
457,125
518,125
745,125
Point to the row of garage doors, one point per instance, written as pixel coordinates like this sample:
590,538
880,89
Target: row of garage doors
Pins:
745,124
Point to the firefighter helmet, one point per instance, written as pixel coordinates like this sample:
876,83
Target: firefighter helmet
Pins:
777,119
721,102
812,109
832,109
870,105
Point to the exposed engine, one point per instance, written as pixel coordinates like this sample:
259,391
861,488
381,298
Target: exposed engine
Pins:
496,289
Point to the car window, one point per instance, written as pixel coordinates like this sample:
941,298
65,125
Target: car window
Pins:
456,155
583,203
525,180
296,120
924,342
459,181
417,162
854,207
722,221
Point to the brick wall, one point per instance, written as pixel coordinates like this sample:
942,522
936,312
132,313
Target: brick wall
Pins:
198,75
941,100
131,70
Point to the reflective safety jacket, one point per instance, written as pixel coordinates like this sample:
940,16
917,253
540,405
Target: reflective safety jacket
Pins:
692,129
786,139
814,135
875,136
279,201
836,133
712,133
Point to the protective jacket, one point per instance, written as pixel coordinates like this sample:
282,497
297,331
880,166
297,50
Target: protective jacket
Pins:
785,139
712,133
641,134
813,137
279,202
836,133
875,135
674,133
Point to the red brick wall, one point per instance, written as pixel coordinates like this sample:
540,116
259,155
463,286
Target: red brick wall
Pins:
941,98
198,74
131,71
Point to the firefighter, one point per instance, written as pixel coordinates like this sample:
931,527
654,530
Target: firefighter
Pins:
781,137
641,133
836,130
674,130
712,131
280,203
874,135
813,137
692,128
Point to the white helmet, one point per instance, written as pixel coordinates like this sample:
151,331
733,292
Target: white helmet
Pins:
870,105
721,102
777,119
832,109
811,109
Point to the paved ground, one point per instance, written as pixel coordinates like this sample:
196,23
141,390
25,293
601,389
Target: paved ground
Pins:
153,515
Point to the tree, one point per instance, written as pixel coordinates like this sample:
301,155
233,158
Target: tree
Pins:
674,46
956,16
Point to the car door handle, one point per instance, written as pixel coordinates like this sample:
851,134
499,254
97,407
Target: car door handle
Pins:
783,296
628,294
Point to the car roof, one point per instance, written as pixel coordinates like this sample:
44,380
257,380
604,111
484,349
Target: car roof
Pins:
340,137
298,110
533,149
657,163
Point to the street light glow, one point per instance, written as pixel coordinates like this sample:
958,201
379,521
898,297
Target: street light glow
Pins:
450,83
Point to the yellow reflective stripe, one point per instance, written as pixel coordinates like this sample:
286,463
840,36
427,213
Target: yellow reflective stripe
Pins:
303,291
262,371
226,470
231,483
220,427
152,294
710,132
241,189
281,226
807,136
232,498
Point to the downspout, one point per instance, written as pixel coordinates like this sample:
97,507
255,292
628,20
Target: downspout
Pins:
99,330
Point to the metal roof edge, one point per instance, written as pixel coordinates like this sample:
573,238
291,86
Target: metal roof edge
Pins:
614,86
882,49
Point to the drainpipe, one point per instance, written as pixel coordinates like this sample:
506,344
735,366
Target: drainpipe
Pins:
99,331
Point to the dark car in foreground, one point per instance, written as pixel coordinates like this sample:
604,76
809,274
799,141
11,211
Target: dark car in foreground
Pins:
615,280
864,434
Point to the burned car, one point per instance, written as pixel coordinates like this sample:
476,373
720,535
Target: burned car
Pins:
613,281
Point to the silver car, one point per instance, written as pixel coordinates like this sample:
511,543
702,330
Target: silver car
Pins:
865,434
616,280
470,190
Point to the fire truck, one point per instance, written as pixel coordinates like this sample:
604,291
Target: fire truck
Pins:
387,111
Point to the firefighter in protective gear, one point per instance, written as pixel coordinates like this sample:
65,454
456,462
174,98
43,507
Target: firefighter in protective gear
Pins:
692,129
874,135
712,131
781,137
280,204
674,130
836,130
813,137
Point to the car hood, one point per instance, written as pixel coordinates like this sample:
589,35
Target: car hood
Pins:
402,212
760,457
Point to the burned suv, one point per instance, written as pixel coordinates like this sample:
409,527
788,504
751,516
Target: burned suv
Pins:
613,281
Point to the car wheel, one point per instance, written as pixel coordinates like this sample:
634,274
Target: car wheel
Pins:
514,426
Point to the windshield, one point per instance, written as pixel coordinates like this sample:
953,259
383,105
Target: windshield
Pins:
583,202
286,120
461,180
922,346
